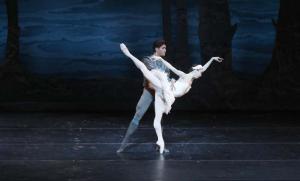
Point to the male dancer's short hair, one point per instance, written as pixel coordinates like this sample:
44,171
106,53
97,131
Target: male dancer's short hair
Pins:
158,43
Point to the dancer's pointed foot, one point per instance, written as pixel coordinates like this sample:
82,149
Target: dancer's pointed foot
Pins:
164,151
124,49
131,129
161,148
122,147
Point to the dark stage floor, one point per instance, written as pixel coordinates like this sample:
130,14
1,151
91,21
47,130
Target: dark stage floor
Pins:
82,146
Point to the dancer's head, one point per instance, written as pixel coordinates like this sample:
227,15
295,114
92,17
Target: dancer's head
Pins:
159,47
197,71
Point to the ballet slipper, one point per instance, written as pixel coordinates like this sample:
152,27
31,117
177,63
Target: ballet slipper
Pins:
161,147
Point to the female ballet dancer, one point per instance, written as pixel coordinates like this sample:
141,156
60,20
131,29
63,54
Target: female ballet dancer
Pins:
166,91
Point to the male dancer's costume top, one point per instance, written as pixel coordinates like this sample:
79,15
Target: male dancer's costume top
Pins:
153,62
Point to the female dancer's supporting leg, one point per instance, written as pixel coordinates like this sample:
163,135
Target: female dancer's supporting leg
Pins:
159,107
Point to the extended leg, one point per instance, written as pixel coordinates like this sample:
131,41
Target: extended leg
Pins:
141,108
140,65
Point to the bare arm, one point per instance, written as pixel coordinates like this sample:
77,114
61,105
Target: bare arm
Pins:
173,69
218,59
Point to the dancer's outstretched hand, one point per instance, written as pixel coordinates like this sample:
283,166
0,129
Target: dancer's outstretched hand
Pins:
124,49
218,59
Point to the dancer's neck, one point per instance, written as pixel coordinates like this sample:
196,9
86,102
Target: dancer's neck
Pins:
156,55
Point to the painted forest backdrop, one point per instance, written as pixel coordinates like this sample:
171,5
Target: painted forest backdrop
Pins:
64,55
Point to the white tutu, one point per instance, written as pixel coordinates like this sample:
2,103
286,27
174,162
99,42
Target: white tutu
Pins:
166,92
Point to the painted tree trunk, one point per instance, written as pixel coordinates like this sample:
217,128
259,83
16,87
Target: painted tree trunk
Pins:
281,78
167,29
12,45
216,31
215,36
182,54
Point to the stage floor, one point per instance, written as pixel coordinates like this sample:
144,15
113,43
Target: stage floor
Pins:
206,146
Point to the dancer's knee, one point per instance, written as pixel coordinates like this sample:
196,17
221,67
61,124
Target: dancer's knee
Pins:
140,111
138,114
156,125
136,120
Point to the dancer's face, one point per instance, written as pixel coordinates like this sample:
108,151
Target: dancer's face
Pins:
197,74
161,51
197,71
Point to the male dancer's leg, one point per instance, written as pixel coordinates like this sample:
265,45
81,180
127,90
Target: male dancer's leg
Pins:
141,108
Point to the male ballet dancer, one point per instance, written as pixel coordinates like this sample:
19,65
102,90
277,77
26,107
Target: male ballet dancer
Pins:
152,62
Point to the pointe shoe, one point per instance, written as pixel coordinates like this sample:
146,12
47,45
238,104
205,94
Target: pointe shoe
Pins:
161,148
165,150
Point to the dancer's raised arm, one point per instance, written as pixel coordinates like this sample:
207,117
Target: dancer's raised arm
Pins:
173,69
218,59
